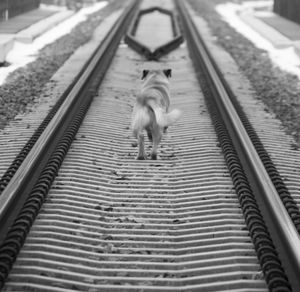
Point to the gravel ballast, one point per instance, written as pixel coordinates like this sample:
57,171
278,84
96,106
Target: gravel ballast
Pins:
24,86
277,89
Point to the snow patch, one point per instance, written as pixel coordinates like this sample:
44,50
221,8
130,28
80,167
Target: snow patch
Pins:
22,54
287,59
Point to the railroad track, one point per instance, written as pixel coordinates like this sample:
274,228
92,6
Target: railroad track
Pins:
84,215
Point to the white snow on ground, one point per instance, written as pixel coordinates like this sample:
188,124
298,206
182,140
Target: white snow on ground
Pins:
287,59
22,54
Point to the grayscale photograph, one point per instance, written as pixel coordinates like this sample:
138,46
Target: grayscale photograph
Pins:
149,145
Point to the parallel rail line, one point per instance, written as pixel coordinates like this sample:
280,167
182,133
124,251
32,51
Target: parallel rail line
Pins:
88,217
284,231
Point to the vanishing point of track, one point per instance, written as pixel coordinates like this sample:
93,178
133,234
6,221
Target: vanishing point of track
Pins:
79,213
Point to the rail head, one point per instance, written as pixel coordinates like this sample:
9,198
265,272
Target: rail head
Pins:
280,225
18,189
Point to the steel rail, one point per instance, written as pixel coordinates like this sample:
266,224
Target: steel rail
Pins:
19,158
16,192
282,229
